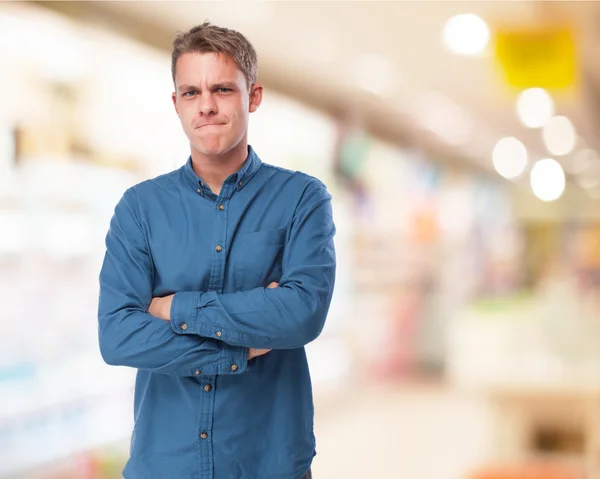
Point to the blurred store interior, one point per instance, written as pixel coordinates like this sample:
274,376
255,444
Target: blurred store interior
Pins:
460,143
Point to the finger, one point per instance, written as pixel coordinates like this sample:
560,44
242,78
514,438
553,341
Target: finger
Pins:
273,285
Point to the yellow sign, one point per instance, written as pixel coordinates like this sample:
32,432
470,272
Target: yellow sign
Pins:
542,57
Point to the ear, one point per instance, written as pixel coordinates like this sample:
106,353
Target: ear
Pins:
174,98
256,94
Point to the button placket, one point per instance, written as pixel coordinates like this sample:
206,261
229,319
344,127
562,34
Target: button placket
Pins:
208,392
220,235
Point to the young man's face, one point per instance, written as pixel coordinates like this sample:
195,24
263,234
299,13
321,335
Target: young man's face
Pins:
213,102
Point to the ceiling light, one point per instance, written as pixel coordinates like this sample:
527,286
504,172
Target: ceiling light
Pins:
509,157
535,107
559,135
465,34
547,180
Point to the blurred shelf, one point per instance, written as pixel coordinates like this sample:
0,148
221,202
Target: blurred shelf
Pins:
62,410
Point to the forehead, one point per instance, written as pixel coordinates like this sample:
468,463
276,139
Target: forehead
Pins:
213,67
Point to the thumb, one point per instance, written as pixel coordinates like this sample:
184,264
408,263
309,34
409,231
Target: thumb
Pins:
273,285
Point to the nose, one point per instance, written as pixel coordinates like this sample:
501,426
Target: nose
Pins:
207,105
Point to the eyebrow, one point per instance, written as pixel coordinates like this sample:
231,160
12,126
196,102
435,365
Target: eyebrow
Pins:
226,84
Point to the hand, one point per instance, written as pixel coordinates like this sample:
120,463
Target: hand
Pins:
254,353
273,285
161,307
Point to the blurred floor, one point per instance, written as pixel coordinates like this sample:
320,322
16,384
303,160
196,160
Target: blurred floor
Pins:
402,433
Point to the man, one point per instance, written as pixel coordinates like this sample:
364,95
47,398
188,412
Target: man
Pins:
216,276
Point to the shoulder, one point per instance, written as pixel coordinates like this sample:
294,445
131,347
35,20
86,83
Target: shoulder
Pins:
165,181
146,194
152,188
299,180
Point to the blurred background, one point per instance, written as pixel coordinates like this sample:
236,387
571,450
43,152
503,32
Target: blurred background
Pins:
460,143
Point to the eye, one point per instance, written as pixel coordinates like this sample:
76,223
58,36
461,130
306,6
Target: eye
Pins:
189,94
224,90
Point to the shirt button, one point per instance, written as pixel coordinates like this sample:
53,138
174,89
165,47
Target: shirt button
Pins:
221,207
208,388
183,326
240,183
198,372
234,367
219,334
203,435
199,190
219,248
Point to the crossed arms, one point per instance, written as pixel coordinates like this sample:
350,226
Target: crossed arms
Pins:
193,332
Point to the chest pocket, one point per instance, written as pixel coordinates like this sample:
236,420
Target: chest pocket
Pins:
257,259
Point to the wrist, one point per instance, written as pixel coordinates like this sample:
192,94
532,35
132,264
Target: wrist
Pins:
167,306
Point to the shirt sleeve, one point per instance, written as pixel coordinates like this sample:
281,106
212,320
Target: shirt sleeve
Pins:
128,334
286,317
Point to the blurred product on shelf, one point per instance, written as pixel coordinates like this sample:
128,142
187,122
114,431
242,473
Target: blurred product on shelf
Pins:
100,464
350,155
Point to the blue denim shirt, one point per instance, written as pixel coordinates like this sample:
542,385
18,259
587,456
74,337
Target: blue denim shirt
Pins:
202,410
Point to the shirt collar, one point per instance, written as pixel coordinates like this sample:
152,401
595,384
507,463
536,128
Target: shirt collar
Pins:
241,177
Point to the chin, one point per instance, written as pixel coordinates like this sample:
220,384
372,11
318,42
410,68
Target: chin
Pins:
210,151
214,149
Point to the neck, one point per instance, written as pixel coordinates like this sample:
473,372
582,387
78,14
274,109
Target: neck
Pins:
214,170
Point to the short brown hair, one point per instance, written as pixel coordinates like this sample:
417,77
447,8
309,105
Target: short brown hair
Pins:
210,38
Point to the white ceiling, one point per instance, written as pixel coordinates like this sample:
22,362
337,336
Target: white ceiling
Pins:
313,49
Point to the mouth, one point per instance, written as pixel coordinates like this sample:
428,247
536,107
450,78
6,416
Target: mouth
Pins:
209,125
